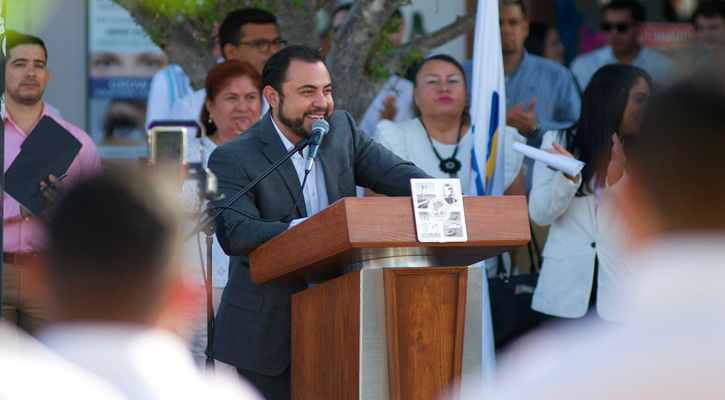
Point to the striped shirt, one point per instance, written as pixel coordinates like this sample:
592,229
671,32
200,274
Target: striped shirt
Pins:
557,98
167,86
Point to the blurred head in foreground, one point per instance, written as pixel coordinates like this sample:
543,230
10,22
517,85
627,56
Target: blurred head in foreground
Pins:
676,164
113,250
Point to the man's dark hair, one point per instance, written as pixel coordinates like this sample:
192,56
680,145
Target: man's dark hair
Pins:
678,156
634,6
15,39
506,3
710,9
275,69
111,246
230,30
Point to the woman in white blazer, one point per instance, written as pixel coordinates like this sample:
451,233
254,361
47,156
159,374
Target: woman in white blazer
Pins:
583,255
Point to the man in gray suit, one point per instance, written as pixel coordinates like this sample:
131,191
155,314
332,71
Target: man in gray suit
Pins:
253,323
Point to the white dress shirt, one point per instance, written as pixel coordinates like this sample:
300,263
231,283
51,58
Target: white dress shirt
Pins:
143,362
29,370
315,190
671,350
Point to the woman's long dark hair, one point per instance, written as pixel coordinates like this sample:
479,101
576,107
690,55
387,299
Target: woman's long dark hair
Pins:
602,110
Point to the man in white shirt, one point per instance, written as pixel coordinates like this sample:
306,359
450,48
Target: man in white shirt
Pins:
248,34
25,363
623,20
167,86
117,288
674,197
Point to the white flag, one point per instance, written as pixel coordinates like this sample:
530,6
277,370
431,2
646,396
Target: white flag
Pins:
488,104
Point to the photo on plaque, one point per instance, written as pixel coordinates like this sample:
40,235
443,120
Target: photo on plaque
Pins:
438,208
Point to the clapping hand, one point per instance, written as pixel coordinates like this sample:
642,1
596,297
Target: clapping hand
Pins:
54,193
525,122
615,170
388,111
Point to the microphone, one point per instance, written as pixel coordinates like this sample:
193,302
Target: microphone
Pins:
319,130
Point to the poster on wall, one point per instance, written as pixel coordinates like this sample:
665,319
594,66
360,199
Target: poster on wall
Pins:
122,59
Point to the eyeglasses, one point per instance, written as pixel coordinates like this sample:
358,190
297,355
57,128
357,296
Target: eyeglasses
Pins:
621,27
264,44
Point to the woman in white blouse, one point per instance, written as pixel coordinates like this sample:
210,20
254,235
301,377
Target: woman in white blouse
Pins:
584,255
439,139
232,105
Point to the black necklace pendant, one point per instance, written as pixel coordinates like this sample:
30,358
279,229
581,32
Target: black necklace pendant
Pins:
450,166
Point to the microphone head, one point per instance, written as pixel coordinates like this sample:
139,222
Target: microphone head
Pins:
321,126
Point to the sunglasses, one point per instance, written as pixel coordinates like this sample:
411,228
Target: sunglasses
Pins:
621,27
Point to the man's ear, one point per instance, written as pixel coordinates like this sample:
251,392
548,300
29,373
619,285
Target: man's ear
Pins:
228,51
272,97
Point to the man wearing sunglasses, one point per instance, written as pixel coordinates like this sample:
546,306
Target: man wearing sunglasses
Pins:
248,34
622,21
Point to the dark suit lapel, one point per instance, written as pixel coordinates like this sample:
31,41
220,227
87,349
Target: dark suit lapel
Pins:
273,149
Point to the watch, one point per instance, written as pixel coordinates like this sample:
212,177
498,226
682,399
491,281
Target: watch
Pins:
534,129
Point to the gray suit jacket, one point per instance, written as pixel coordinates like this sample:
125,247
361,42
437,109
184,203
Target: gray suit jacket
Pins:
253,321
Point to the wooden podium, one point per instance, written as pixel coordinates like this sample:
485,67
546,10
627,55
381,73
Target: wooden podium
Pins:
392,318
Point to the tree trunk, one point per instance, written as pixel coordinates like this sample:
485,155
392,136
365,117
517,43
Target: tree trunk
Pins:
297,22
189,42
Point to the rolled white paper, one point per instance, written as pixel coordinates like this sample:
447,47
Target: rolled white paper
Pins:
569,166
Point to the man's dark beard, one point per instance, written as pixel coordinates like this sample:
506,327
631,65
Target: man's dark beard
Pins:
297,126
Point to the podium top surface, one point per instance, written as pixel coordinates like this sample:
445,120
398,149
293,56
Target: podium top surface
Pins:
355,230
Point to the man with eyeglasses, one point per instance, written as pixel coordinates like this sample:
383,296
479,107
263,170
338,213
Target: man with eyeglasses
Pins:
248,34
623,20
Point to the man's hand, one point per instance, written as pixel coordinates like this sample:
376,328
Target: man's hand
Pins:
25,213
389,111
54,194
525,122
615,170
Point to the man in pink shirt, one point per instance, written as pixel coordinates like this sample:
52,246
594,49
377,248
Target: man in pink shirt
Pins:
26,78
